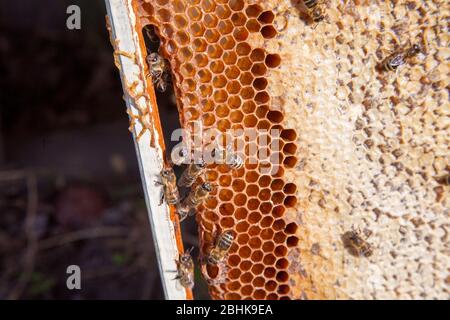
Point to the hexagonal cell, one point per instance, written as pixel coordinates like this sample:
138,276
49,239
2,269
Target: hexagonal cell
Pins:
253,10
290,201
227,43
236,5
225,27
242,239
180,22
246,78
234,260
208,5
233,285
233,87
245,252
226,209
242,226
250,121
220,96
288,135
260,83
259,69
278,225
234,102
232,296
244,63
279,237
292,241
229,58
253,204
273,60
212,36
256,256
236,116
266,207
240,34
238,19
194,13
254,231
234,274
219,81
245,265
259,294
223,12
253,25
248,107
262,97
270,272
226,223
280,251
247,93
268,32
232,72
254,217
243,49
290,162
225,195
284,289
201,60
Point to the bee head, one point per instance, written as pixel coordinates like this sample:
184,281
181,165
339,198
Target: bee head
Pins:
153,58
415,49
166,172
318,14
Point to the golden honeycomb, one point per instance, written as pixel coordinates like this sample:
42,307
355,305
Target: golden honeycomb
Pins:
220,82
358,147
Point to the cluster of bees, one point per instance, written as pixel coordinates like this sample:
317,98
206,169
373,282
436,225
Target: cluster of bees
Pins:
199,192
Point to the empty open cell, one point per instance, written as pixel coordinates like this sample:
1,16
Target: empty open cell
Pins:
250,121
242,226
255,243
220,96
214,51
270,272
242,238
219,82
232,296
259,294
290,161
243,49
254,231
247,93
234,260
266,207
180,22
248,107
232,72
245,265
278,198
226,209
229,58
260,83
283,289
223,11
225,27
222,110
279,237
288,135
241,213
254,217
292,241
266,17
240,34
273,60
253,25
211,203
208,119
253,10
290,148
264,181
268,32
267,234
197,29
208,5
282,263
204,75
225,195
280,251
282,276
253,204
279,224
244,63
247,290
234,102
238,19
194,13
233,285
201,60
236,5
227,222
182,38
207,105
238,185
262,97
258,282
245,252
228,43
290,201
217,66
234,274
212,36
257,256
268,246
167,30
164,15
259,69
271,285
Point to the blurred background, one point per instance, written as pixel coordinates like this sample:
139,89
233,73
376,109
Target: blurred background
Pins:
70,190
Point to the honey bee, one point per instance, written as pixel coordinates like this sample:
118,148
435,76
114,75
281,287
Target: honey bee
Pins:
159,71
399,58
193,199
169,182
221,247
191,173
185,269
355,244
316,10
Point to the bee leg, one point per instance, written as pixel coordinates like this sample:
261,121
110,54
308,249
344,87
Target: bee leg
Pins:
161,200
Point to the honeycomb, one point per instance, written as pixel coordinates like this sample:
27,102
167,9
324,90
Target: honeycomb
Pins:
358,148
220,67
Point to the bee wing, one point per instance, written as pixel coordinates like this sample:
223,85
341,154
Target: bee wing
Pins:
397,60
